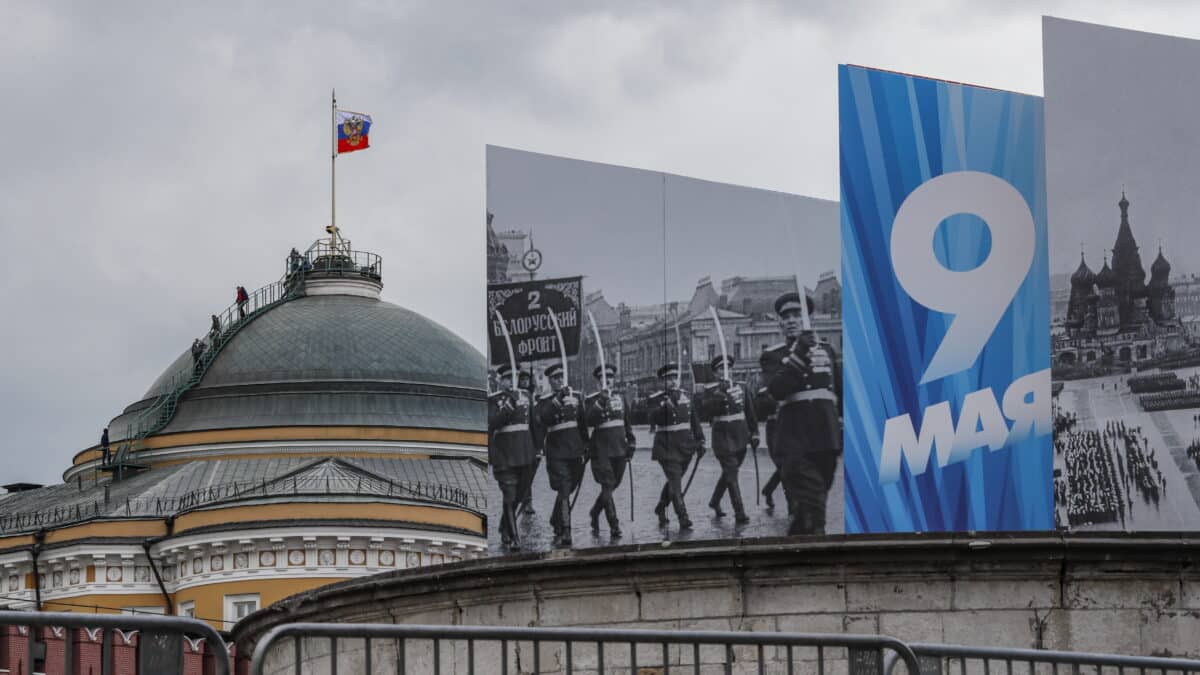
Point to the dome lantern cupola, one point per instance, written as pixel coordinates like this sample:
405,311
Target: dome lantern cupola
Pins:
332,267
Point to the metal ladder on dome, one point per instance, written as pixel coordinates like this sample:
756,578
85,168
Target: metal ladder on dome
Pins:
154,418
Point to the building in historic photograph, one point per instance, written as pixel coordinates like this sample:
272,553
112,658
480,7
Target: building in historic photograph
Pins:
316,434
1126,394
1115,316
746,309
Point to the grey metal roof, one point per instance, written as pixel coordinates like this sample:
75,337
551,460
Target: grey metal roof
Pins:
173,489
329,409
233,411
331,360
340,337
180,366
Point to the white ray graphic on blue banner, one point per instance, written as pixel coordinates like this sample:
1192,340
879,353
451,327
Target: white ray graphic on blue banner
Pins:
946,306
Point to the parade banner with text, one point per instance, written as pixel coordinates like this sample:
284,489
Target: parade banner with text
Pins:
525,308
947,363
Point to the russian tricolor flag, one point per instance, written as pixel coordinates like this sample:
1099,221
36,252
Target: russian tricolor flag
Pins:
352,131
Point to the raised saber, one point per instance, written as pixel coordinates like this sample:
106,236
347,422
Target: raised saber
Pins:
725,363
599,350
512,358
562,347
528,494
562,352
679,384
629,472
805,320
721,339
604,385
678,355
512,361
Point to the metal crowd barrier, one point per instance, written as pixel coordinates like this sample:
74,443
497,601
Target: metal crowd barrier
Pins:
481,649
440,649
938,659
154,656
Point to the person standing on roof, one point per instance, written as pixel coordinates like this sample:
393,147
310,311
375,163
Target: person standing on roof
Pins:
242,299
197,353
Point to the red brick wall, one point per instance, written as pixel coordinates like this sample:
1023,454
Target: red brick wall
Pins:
124,653
16,649
56,650
193,657
87,652
89,649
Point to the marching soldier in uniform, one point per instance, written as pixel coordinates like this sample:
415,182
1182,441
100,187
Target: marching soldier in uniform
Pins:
510,448
764,408
560,416
677,435
611,447
727,404
525,487
808,434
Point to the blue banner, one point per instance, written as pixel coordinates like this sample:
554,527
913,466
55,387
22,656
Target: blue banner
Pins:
946,306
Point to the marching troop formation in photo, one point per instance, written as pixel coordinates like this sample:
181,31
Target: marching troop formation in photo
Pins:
794,414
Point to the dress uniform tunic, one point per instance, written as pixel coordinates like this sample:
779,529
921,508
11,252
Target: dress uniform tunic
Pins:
734,425
611,447
677,435
510,451
807,430
561,418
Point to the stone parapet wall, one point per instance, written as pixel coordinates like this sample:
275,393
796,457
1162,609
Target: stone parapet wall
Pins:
1125,594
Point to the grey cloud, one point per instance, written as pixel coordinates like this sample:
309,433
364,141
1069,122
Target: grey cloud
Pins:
158,154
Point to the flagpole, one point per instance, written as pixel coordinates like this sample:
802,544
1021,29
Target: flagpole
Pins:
333,161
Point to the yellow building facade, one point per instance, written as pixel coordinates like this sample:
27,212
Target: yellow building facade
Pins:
315,434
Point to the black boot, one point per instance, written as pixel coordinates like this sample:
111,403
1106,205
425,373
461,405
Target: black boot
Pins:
739,509
714,502
685,523
818,518
595,515
661,512
768,490
508,529
610,512
803,522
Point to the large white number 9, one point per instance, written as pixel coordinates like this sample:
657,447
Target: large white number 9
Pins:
977,297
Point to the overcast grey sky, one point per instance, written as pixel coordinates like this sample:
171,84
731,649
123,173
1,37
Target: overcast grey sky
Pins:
607,223
158,154
1119,117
